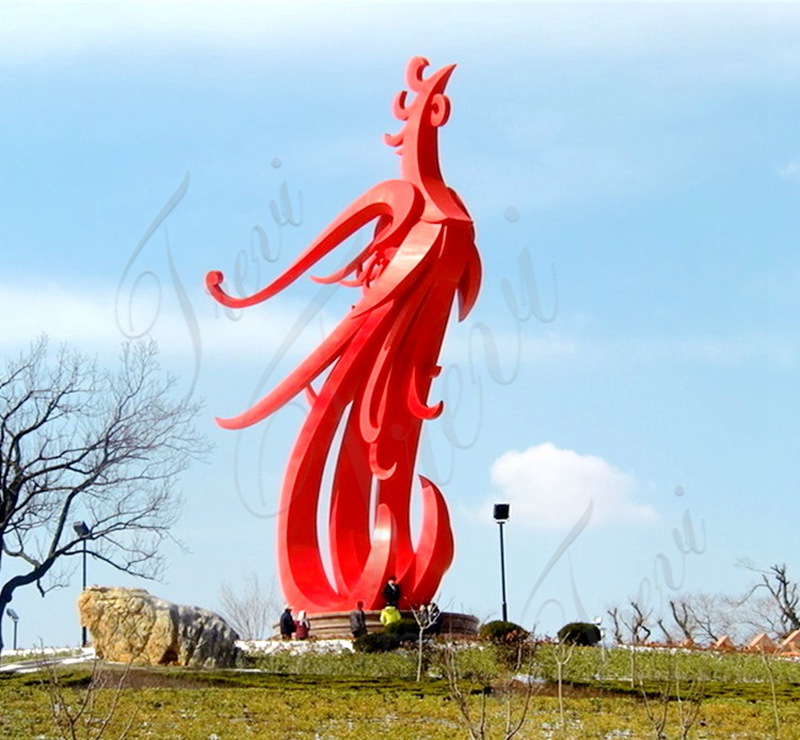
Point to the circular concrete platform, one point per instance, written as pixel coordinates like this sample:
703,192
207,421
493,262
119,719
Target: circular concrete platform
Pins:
337,624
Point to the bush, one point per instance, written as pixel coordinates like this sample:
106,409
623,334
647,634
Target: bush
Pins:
376,642
502,633
392,637
405,630
580,633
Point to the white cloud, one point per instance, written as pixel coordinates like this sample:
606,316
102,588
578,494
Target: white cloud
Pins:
65,314
561,176
504,349
773,349
550,488
87,318
35,31
763,42
790,171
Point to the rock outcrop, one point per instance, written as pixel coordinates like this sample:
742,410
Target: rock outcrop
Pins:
130,625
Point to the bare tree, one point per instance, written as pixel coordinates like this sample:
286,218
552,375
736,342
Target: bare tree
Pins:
250,611
426,617
703,617
634,622
672,688
89,711
616,624
562,652
637,624
86,444
760,614
668,638
712,615
683,618
784,593
470,689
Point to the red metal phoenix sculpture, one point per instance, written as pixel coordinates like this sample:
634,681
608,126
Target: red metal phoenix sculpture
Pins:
380,362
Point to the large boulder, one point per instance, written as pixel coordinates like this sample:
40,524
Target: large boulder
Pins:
129,625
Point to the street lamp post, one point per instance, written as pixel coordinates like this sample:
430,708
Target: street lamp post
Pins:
15,618
501,513
83,532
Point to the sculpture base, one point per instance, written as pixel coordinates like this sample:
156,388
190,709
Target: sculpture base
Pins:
331,625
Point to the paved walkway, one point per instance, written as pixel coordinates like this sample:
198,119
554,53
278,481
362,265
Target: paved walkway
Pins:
30,661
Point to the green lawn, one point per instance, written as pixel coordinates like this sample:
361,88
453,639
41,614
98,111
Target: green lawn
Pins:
374,696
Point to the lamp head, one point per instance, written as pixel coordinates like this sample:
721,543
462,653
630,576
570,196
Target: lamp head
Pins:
501,512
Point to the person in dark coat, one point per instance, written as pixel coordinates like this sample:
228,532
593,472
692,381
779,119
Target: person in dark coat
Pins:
433,618
391,592
358,621
287,623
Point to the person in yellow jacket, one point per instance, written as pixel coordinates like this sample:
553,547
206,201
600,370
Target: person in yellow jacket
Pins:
389,614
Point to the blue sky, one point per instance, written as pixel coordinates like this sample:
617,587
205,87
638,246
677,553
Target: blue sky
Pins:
631,367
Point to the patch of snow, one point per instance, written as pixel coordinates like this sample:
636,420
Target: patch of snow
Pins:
295,647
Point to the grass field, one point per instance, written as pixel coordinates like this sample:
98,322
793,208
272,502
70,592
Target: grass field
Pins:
603,694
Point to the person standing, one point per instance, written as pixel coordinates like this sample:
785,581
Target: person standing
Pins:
302,626
391,592
390,615
434,619
287,623
358,620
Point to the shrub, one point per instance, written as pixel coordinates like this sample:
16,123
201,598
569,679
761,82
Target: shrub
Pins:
580,633
405,630
393,635
502,633
376,642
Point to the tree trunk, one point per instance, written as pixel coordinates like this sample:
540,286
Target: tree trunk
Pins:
5,600
419,657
